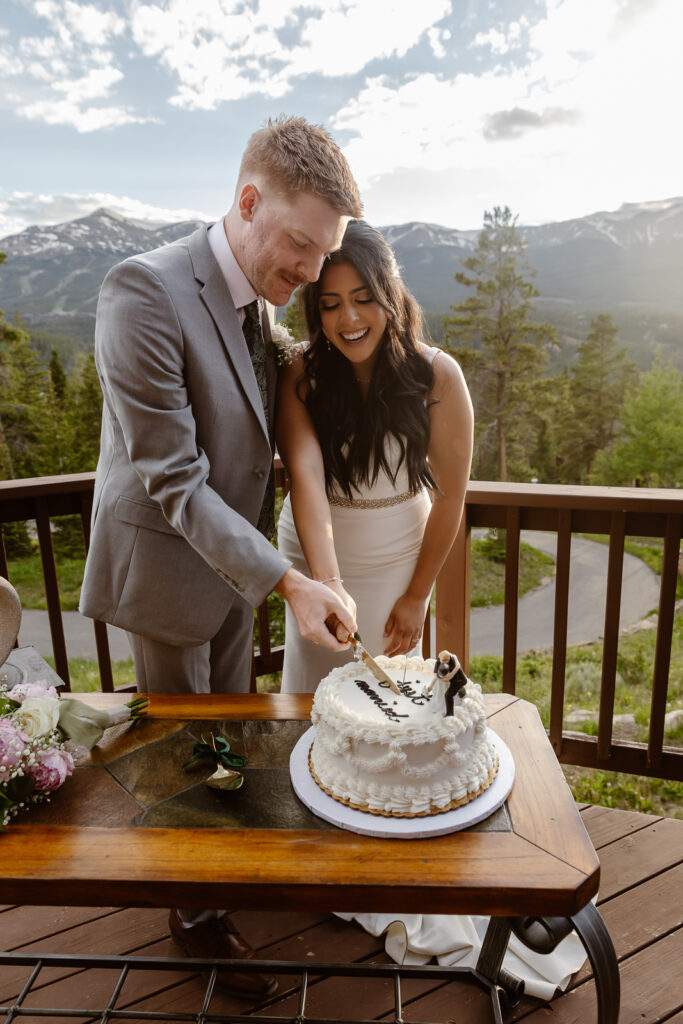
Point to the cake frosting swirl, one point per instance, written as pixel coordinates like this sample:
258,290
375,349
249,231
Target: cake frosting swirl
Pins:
399,755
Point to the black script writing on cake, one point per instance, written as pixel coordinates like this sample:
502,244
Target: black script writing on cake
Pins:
376,699
414,696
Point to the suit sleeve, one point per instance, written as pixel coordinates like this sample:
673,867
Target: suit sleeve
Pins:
140,354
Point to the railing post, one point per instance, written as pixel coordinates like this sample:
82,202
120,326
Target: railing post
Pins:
615,572
665,622
453,598
562,560
511,599
54,606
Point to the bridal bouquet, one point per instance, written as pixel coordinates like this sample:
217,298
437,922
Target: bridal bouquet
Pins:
35,724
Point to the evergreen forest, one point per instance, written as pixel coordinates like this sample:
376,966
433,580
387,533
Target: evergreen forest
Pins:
602,421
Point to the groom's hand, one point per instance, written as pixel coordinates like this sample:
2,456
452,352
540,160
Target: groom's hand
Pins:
312,604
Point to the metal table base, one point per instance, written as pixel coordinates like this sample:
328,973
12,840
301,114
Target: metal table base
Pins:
539,934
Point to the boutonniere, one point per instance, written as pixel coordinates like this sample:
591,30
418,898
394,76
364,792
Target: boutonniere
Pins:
284,346
217,749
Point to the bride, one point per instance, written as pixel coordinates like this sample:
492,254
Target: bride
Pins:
374,427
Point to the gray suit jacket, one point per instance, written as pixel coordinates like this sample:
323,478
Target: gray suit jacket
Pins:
185,453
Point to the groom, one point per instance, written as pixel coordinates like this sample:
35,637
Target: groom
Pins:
180,548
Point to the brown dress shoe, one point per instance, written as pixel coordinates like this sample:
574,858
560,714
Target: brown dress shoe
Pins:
218,939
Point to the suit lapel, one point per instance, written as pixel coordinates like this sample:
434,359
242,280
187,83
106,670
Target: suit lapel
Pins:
216,297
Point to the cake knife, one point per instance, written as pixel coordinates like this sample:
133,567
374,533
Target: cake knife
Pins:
377,672
354,639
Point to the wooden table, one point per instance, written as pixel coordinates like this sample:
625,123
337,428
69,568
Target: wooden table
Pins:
93,844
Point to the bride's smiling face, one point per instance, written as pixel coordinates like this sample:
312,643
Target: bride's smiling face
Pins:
351,318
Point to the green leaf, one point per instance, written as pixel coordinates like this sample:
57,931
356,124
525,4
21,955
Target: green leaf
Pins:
19,789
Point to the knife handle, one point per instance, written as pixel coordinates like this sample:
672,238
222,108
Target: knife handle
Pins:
332,622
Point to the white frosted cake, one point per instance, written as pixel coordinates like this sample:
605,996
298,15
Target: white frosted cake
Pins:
399,755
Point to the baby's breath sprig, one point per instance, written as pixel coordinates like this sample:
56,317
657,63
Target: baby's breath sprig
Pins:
284,345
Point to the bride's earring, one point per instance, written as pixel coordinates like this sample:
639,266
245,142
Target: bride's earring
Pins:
327,342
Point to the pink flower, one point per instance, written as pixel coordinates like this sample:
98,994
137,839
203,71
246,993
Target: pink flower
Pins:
51,770
37,689
12,743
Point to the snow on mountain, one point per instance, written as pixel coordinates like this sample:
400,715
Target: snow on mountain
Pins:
601,261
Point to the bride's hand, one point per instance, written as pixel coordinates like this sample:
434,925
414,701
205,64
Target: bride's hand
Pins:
404,625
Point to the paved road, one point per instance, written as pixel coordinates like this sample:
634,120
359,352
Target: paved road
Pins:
587,592
588,586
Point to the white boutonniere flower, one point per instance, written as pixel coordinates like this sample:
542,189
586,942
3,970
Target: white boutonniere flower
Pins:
285,347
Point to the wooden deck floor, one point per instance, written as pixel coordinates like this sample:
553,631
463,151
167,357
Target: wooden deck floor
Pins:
640,900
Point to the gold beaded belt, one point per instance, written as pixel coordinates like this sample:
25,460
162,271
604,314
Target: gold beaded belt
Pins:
395,499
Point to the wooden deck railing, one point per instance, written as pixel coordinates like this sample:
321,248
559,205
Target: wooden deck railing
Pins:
616,512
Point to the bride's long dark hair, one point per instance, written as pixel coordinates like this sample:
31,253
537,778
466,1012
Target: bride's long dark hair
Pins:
397,402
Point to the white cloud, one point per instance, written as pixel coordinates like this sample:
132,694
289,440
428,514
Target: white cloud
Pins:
94,85
10,65
18,210
216,51
437,38
494,39
498,41
72,58
84,21
559,136
91,24
349,36
83,119
222,50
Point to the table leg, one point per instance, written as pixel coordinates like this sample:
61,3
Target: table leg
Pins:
490,971
542,934
597,942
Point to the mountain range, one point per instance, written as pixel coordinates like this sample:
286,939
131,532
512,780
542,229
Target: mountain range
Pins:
625,261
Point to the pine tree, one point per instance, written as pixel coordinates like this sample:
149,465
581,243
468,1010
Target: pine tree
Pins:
552,411
25,404
6,465
500,348
649,449
58,377
601,380
24,419
84,418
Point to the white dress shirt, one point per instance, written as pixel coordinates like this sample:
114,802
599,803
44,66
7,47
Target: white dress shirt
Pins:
240,290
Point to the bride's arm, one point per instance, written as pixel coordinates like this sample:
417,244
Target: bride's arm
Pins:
299,449
450,457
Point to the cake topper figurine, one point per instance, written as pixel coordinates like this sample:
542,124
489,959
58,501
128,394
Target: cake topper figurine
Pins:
447,670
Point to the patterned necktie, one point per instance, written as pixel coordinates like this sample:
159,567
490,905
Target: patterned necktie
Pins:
257,350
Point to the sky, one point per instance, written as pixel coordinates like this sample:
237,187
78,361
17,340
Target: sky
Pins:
444,108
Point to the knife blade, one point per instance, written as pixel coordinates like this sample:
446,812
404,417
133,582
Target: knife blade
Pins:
354,639
377,672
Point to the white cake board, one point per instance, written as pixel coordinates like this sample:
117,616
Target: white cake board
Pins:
310,793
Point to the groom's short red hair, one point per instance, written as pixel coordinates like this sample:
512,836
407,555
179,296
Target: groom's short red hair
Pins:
301,157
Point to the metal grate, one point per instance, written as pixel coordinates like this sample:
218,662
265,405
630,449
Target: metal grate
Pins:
124,965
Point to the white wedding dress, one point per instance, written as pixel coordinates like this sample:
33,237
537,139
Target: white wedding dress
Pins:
377,538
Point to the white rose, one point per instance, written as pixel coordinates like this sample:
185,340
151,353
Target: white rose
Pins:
37,716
